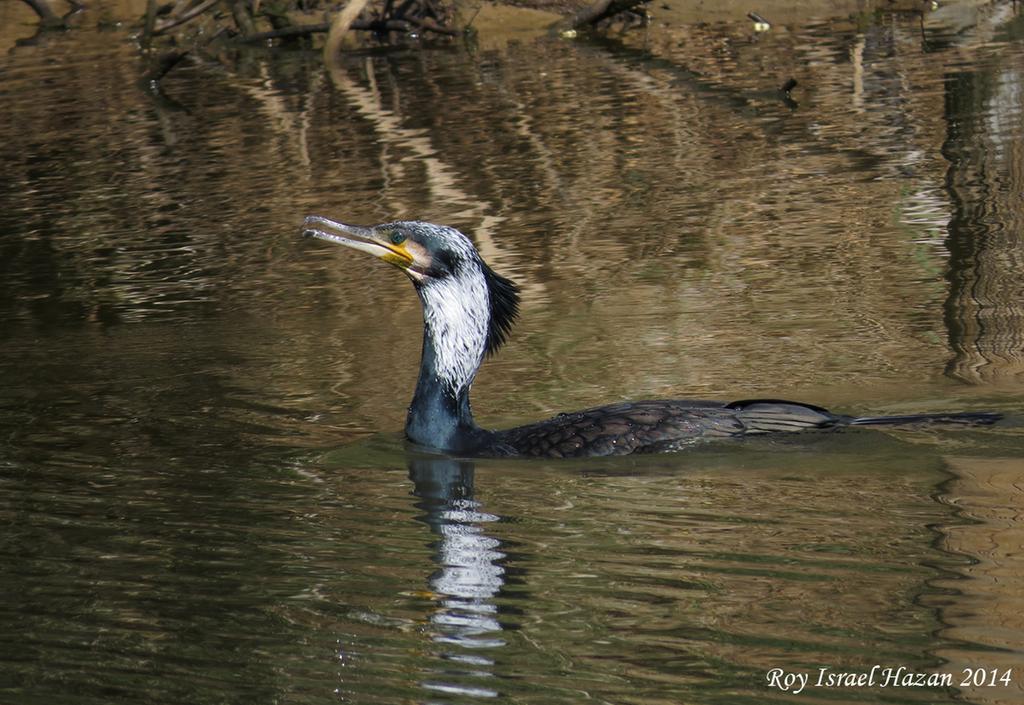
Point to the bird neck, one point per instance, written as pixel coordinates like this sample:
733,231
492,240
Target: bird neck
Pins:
440,415
454,339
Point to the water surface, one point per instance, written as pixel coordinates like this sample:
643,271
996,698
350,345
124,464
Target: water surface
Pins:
203,488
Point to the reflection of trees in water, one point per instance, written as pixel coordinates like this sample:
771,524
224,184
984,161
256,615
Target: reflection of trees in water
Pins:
985,180
985,618
469,576
548,155
984,111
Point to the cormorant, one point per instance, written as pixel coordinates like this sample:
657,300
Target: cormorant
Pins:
468,310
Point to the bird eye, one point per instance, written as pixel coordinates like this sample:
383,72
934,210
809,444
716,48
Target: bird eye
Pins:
397,238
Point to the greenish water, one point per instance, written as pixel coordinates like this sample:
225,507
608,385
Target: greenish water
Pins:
204,494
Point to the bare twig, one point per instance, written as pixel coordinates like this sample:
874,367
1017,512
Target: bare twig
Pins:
473,18
177,8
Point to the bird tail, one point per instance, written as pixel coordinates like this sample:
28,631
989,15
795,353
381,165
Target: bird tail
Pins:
971,418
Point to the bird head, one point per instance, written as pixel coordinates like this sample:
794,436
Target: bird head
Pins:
467,307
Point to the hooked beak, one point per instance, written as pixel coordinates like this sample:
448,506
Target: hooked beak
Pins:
360,238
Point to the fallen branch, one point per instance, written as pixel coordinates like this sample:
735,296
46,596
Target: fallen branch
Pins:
393,25
301,30
431,25
340,26
600,10
185,17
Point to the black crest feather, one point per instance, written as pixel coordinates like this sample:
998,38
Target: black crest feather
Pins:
504,297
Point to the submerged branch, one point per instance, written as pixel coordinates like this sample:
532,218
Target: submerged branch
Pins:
164,63
49,18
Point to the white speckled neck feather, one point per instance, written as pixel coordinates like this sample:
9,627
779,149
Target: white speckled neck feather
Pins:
456,315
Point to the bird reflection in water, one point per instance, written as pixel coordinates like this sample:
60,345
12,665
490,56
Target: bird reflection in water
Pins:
470,574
